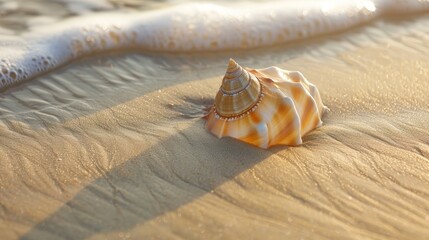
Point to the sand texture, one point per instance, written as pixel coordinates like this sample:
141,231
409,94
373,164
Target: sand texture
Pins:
114,147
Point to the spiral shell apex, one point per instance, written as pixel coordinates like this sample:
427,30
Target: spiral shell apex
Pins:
265,107
239,92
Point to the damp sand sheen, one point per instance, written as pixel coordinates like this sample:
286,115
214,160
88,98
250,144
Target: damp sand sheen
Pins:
109,142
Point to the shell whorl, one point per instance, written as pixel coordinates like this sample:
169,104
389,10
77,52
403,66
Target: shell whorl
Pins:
240,91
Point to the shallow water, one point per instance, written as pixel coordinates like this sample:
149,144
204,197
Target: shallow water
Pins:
113,145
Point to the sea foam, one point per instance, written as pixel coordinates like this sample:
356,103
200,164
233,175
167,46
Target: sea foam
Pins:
185,28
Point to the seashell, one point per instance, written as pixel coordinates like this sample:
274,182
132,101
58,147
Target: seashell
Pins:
265,107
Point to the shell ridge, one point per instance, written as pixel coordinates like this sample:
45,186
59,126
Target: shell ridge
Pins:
306,97
283,135
306,115
265,136
316,96
297,119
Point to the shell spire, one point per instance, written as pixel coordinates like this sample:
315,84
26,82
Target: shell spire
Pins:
235,79
265,107
239,92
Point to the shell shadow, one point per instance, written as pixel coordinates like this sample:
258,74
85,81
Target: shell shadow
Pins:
161,179
193,107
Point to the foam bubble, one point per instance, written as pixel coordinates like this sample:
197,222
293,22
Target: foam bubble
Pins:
189,27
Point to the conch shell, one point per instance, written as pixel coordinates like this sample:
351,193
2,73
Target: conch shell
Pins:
265,107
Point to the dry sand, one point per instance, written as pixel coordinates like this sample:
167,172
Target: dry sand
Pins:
114,146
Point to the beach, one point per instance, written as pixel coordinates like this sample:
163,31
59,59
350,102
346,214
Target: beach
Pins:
113,146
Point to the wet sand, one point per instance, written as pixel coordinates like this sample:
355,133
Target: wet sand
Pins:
114,147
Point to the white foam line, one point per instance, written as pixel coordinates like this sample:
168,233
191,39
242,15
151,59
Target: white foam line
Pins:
189,27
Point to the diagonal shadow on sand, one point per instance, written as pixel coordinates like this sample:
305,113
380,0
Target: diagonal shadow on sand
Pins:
161,179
